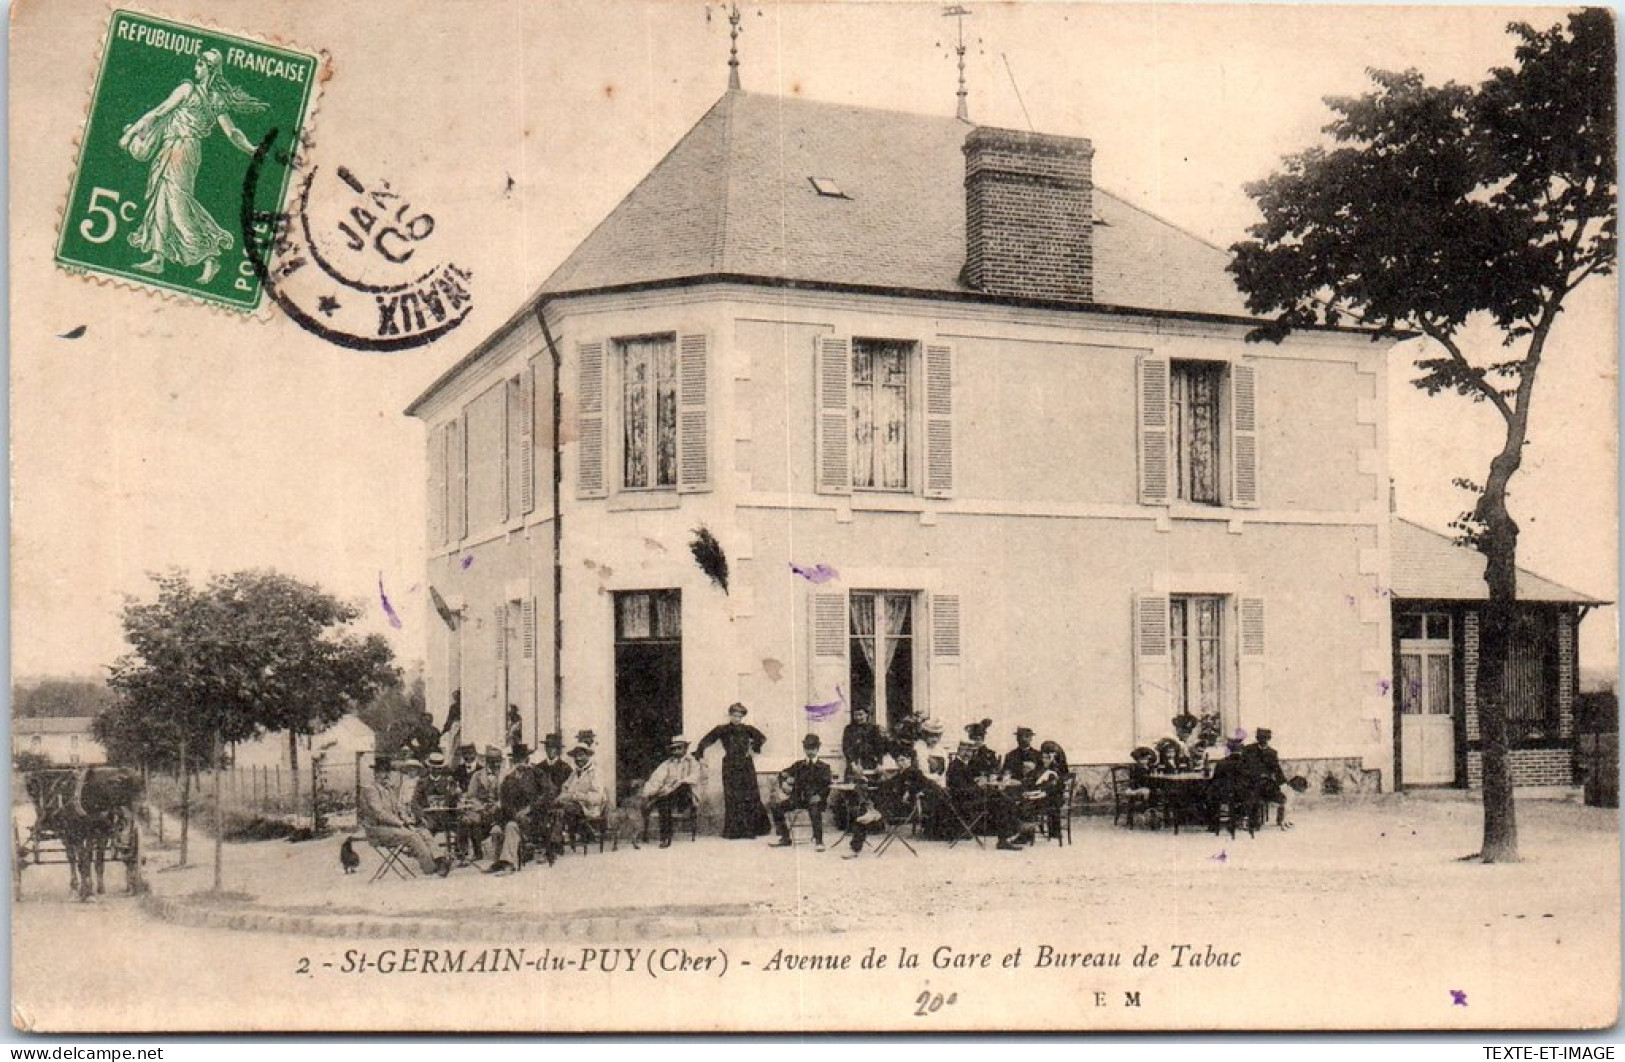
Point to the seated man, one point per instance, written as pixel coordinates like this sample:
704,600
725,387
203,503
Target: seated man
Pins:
468,762
892,800
671,786
389,822
436,797
527,810
582,799
477,811
1266,767
803,784
999,813
1045,785
1233,791
1022,760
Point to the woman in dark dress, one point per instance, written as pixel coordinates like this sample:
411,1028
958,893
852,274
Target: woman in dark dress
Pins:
743,813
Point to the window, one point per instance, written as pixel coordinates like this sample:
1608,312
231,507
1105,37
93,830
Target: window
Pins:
884,417
880,421
73,748
649,615
1196,644
1194,429
1426,683
882,654
661,419
649,412
1198,432
1531,695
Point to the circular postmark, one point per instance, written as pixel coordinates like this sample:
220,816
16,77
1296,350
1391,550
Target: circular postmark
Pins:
351,258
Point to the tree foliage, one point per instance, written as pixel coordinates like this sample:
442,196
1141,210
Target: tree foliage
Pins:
1436,208
250,653
59,698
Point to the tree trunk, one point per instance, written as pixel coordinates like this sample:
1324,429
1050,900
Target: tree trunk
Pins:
1499,544
293,771
186,799
219,813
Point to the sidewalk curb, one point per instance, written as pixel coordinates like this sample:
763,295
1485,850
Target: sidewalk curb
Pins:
541,927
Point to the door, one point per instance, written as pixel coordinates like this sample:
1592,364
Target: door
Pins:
648,682
1426,700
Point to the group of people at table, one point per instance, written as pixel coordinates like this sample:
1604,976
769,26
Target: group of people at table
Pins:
1193,773
907,776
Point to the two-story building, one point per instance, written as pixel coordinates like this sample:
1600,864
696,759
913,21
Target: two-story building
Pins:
977,439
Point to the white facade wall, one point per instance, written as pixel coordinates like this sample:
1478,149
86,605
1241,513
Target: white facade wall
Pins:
1042,542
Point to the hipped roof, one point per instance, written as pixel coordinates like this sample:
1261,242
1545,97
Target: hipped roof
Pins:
1431,566
735,198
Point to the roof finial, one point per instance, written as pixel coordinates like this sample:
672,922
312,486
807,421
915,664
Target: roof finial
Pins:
733,47
959,13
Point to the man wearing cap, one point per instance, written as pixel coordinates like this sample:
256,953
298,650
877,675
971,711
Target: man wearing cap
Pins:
1022,761
582,798
436,798
388,821
1265,764
553,764
479,805
671,785
803,784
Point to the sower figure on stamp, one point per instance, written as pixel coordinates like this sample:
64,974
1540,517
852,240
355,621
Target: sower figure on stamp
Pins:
388,821
175,227
743,814
803,784
671,785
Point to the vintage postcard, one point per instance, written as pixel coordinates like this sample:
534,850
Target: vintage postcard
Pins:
812,517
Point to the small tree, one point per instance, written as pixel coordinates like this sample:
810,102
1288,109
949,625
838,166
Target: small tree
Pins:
1447,206
250,653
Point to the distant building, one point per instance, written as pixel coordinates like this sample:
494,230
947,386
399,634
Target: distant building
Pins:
64,740
339,743
1438,594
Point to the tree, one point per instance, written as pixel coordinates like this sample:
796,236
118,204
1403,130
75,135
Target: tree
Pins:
1442,211
252,652
58,698
395,713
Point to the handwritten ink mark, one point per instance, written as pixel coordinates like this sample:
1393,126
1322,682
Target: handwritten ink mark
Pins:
1458,998
829,708
389,610
816,574
466,563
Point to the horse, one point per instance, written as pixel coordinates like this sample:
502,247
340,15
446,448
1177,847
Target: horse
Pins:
89,809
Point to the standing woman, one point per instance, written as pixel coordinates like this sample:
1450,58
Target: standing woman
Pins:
176,227
743,813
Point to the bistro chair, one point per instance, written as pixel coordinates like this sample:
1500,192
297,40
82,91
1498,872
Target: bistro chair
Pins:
392,859
1125,805
597,829
895,825
968,826
684,811
1069,805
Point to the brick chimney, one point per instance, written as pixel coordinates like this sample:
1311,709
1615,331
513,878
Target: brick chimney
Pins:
1029,214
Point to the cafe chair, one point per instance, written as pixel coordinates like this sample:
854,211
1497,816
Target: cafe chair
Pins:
392,859
968,823
684,812
1125,805
1069,807
896,824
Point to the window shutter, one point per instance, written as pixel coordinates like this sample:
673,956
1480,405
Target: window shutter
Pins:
939,421
457,457
1253,692
527,440
590,421
527,628
827,675
499,632
511,421
945,626
1244,437
437,486
834,430
1154,434
693,414
1153,668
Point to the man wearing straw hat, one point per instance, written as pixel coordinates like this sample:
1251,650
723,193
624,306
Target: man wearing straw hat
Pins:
671,786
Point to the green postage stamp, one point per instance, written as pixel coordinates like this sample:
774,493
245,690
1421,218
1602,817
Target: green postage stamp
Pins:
177,116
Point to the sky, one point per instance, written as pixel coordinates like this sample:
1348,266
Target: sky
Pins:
170,434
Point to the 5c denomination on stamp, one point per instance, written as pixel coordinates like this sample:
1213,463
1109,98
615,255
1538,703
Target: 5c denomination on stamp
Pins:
174,121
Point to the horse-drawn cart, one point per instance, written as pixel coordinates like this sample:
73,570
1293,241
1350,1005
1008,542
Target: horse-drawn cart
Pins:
82,816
